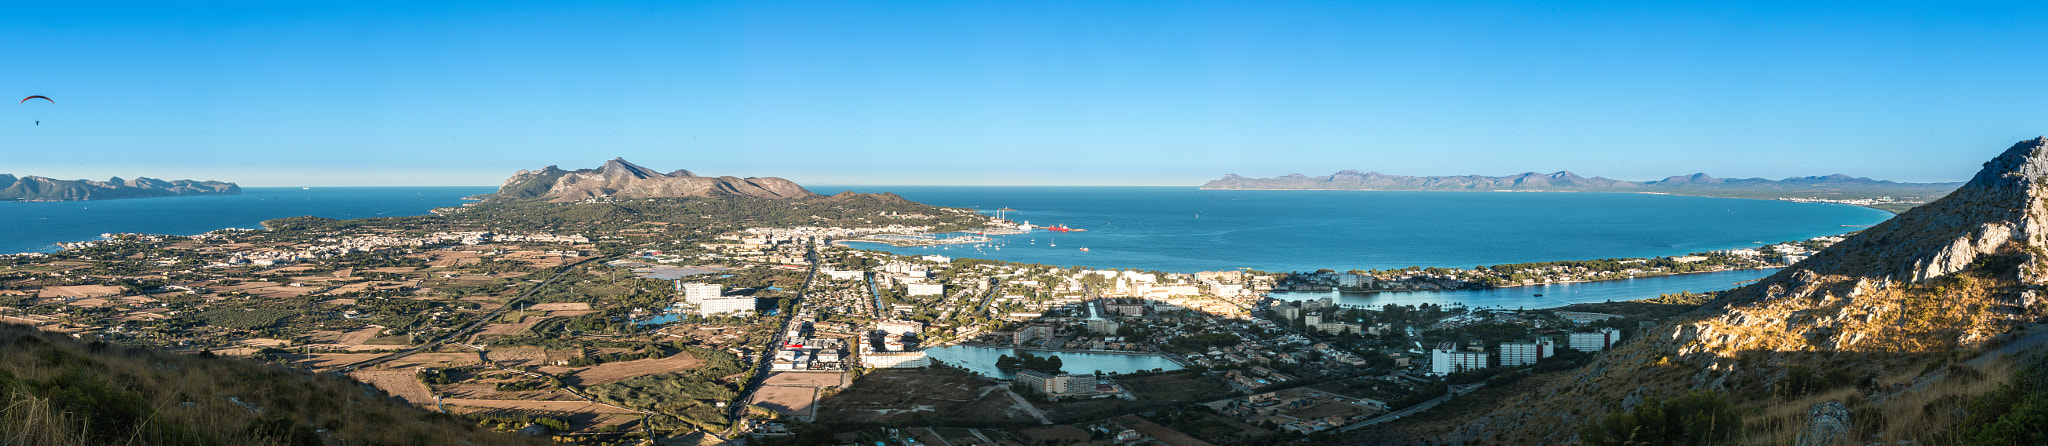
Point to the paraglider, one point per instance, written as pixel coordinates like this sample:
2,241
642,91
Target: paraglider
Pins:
46,98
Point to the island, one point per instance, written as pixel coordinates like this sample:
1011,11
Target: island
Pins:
1887,195
35,188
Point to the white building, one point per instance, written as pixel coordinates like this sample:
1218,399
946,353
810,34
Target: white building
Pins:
1446,359
843,275
1517,354
927,289
722,305
1339,328
696,292
899,327
1354,280
909,360
1595,341
1102,326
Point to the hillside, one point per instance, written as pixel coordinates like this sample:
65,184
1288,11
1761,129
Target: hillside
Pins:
1873,324
34,188
58,391
1830,187
620,179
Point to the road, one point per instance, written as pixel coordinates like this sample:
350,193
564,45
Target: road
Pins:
762,368
473,326
1411,410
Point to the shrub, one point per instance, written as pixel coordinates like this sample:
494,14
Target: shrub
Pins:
1697,418
2015,413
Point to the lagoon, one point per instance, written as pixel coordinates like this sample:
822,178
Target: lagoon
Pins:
1554,295
982,360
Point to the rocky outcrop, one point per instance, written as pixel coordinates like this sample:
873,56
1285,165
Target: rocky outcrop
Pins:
1948,276
1825,423
621,179
34,188
1999,210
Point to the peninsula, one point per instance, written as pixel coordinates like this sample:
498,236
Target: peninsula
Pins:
34,188
1887,195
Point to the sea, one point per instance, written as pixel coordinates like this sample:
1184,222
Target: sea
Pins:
1185,229
38,226
1172,229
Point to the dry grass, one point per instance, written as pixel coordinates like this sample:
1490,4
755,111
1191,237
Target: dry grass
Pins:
1927,414
55,391
616,371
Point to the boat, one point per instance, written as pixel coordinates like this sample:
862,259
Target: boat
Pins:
1084,249
1539,295
1063,228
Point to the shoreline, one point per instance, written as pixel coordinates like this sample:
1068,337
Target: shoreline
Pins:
1568,282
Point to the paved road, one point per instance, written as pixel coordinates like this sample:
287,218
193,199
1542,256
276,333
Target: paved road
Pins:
473,326
1411,410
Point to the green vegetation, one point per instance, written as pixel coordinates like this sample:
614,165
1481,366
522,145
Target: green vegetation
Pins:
2014,414
1698,418
688,396
245,318
710,214
57,391
1030,361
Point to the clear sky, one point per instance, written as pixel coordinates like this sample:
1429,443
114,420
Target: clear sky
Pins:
1041,92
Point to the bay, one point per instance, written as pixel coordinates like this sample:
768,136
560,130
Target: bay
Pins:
1184,229
36,226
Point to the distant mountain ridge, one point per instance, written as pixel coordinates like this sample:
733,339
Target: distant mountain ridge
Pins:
1941,282
621,179
1559,181
34,188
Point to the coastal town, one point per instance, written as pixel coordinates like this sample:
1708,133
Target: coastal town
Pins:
771,333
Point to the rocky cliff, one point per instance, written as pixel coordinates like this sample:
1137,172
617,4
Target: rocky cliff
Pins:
1883,308
34,188
621,179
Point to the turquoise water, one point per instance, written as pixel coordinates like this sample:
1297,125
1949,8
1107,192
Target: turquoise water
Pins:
1183,229
1155,228
982,360
35,226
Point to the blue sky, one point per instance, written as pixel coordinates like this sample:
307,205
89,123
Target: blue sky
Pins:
1100,93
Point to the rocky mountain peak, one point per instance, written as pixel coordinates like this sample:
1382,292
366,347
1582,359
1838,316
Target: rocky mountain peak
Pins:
619,178
2000,210
620,167
1950,276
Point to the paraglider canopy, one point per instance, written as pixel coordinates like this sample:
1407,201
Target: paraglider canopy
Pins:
46,98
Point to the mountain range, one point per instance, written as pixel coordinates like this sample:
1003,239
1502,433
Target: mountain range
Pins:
621,179
1566,181
1881,332
34,188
